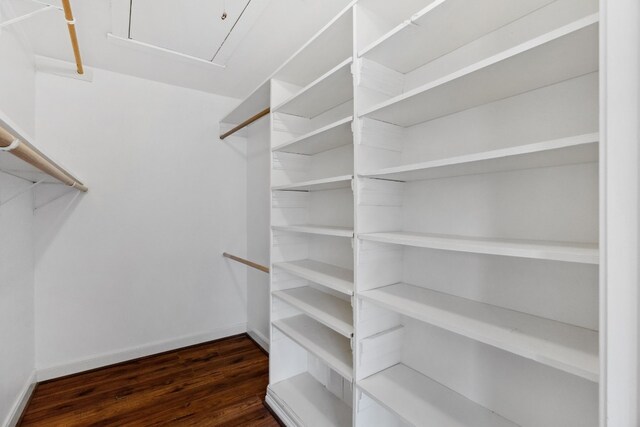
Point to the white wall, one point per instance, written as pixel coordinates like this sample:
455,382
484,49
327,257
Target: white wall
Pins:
258,232
134,266
620,229
17,102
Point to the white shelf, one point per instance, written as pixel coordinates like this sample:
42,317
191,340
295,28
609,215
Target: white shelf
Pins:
322,230
416,398
309,403
562,346
333,183
327,138
323,307
322,342
564,151
256,102
336,278
584,253
562,54
329,90
422,34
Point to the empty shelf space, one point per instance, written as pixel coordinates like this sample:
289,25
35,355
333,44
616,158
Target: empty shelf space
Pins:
322,342
322,230
416,398
309,402
333,183
584,253
323,307
327,138
421,35
564,151
336,278
559,55
562,346
330,90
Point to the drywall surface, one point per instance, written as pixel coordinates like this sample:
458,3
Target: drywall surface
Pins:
258,206
134,266
620,229
17,103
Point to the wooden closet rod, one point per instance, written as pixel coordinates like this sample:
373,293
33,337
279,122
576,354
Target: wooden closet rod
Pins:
247,262
246,123
71,25
26,152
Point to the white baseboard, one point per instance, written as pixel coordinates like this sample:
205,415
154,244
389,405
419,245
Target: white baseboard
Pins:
47,373
260,339
277,406
21,402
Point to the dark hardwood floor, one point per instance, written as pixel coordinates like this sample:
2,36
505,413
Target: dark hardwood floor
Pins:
221,383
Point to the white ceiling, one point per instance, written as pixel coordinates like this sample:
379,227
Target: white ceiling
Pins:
189,26
192,27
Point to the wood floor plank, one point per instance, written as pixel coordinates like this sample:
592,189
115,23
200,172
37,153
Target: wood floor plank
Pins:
221,383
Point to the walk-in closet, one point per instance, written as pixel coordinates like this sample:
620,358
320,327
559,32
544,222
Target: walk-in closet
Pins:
337,213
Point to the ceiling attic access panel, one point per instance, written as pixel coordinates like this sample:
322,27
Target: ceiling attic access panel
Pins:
194,27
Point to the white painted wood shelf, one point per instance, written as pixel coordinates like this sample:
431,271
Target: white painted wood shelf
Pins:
418,400
421,34
256,102
336,278
332,183
327,309
309,403
562,346
558,152
584,253
328,91
322,230
334,135
559,55
324,343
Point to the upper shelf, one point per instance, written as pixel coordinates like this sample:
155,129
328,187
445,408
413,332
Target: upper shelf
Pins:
331,45
584,253
564,151
256,102
559,55
562,346
328,91
333,135
415,398
333,183
421,34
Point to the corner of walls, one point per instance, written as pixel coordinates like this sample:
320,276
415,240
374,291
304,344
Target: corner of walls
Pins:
17,323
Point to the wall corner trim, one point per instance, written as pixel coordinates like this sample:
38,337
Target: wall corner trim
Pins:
21,402
259,338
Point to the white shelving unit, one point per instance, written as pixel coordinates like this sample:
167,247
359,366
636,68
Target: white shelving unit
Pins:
434,217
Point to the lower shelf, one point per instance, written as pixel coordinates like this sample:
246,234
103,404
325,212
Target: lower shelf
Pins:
306,402
415,398
324,343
